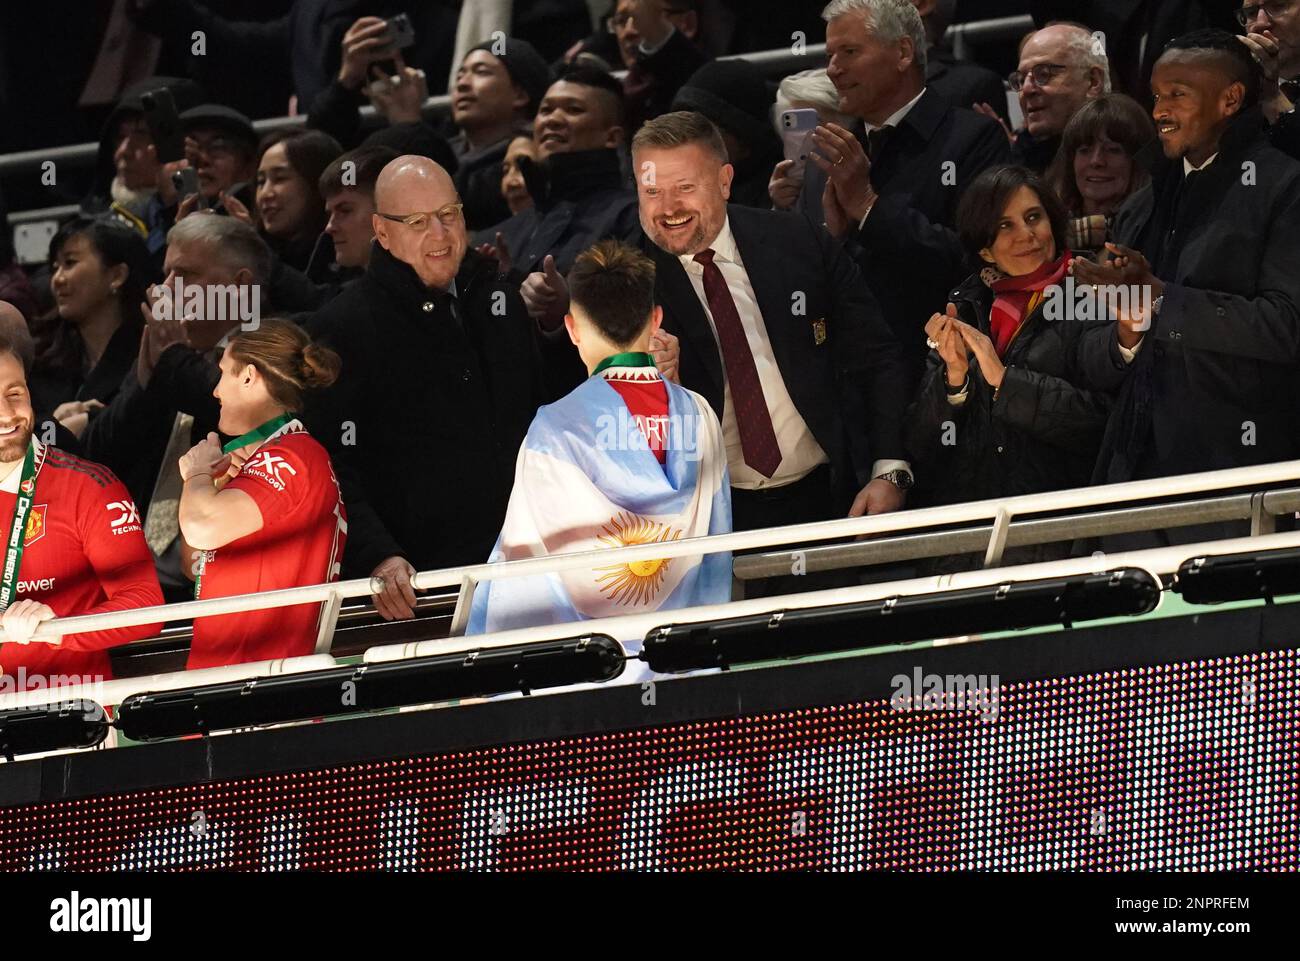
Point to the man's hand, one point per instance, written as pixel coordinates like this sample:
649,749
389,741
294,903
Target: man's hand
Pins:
500,252
666,351
546,295
836,218
167,189
367,40
396,602
846,165
236,208
878,497
74,415
784,186
21,618
162,328
205,458
400,97
1126,268
994,115
1264,48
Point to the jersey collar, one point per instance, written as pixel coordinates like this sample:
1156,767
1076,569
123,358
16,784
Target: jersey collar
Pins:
10,484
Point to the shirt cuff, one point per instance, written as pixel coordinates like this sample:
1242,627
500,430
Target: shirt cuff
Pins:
1128,353
885,466
958,399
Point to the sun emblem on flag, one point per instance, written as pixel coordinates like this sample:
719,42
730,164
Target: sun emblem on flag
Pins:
639,581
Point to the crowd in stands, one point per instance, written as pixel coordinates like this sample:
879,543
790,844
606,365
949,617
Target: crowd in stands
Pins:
322,351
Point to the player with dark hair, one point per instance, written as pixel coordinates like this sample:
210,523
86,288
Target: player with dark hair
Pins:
626,458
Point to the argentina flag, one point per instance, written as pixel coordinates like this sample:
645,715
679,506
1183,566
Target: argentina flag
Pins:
586,479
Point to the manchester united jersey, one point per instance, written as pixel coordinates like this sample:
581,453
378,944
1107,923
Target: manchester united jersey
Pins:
301,542
84,553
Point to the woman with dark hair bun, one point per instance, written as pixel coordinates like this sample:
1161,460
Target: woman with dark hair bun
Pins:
99,271
998,413
263,512
1096,167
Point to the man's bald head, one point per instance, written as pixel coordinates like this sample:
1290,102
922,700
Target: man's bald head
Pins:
15,334
418,218
411,174
1079,71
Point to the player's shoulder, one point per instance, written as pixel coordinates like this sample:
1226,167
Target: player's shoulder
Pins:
77,471
298,444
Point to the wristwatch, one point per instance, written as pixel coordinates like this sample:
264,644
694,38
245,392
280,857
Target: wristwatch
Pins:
899,478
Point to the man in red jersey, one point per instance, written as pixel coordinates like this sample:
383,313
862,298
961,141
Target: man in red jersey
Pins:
81,549
266,510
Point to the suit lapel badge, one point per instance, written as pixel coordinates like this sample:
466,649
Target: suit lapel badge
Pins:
819,332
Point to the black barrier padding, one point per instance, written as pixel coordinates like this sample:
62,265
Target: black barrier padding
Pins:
621,707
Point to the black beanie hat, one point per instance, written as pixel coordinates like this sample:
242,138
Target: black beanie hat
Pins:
734,95
524,64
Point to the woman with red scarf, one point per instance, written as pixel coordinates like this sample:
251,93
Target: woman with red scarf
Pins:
998,412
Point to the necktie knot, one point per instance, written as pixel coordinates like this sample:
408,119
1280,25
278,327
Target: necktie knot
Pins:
704,257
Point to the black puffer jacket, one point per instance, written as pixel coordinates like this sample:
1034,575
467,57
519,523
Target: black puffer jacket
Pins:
1038,433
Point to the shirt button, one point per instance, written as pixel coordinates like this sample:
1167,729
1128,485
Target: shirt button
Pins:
1221,312
465,376
427,306
999,448
1175,335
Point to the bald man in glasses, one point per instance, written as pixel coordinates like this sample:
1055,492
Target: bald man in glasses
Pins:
443,370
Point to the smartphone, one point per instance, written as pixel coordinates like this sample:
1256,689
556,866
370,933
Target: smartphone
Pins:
403,35
186,182
164,124
796,132
402,31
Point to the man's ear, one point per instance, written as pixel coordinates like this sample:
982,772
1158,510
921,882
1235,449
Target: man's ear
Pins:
520,103
725,178
906,54
1232,98
571,325
614,137
243,277
379,226
656,319
1096,81
249,375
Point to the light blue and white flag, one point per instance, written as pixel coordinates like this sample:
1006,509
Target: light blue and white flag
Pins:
586,479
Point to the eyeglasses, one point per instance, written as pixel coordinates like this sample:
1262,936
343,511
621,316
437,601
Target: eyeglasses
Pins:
1042,75
1274,8
448,216
620,20
213,146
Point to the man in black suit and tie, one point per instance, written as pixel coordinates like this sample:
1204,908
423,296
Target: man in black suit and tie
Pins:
777,329
891,189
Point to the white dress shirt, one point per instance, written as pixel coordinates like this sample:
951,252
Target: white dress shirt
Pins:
800,452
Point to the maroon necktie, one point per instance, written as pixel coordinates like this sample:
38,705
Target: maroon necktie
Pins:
757,438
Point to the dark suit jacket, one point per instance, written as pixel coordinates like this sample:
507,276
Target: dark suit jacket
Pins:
964,84
850,388
1214,383
908,250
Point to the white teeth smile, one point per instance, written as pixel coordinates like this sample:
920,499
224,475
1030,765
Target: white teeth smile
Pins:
676,221
6,431
440,253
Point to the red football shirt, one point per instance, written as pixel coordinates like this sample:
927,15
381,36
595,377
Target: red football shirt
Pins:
84,553
304,526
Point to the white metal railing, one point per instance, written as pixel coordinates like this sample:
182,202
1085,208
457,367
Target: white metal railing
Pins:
468,577
1158,561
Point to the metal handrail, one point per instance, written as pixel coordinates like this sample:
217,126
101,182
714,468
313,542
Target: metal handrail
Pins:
468,576
960,36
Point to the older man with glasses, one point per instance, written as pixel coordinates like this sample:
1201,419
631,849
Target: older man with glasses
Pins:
1273,36
1061,67
442,372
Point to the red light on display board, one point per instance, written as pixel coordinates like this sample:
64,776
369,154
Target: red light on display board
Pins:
1188,766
